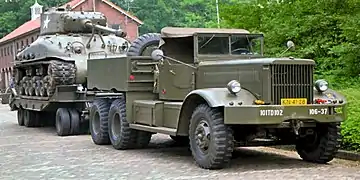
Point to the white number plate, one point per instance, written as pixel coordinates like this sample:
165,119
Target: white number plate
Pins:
322,111
271,112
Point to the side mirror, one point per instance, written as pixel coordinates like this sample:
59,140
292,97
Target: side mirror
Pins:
290,45
157,55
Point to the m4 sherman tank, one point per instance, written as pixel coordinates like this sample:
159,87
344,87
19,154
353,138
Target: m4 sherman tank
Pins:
59,55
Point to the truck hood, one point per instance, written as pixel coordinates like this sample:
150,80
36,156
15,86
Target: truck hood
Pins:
259,61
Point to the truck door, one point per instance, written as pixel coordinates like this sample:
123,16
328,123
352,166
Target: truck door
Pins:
175,80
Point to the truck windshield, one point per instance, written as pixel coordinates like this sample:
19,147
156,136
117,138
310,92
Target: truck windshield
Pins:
244,44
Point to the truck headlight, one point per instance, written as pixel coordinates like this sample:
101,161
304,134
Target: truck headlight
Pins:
321,85
234,86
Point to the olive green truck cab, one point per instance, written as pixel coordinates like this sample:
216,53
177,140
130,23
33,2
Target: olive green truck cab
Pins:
215,90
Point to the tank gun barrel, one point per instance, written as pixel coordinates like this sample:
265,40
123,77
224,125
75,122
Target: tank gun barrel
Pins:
117,32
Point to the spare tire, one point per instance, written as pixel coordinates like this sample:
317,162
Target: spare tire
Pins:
144,45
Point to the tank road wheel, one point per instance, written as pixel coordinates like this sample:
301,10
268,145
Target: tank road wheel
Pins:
75,122
144,45
21,88
98,116
63,121
23,85
38,86
120,134
322,145
20,116
211,141
33,85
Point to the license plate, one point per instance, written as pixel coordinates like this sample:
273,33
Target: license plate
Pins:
293,101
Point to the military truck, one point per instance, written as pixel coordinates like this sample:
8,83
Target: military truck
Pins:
50,74
216,90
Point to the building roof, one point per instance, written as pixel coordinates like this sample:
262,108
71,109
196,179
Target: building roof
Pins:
35,24
26,27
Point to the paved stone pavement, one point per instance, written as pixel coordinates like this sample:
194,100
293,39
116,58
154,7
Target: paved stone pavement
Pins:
37,153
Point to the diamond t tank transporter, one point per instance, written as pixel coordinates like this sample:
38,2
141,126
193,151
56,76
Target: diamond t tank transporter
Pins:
50,73
215,90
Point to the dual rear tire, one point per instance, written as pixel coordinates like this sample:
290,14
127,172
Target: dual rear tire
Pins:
108,125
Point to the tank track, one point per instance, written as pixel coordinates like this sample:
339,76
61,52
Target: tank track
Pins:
41,80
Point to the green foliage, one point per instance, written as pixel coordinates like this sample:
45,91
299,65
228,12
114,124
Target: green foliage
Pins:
351,127
327,31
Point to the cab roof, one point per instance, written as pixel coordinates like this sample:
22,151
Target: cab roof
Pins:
174,32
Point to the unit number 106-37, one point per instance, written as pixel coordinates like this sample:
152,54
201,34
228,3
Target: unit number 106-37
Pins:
322,111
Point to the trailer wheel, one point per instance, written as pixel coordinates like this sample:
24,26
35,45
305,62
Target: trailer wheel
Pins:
29,118
75,121
62,122
20,116
144,45
121,135
211,141
99,113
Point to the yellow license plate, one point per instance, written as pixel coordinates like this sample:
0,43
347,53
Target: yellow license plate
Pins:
293,101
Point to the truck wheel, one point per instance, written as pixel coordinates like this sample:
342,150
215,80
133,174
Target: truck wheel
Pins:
183,140
29,118
62,122
121,135
99,122
143,139
144,45
322,145
75,122
211,141
20,116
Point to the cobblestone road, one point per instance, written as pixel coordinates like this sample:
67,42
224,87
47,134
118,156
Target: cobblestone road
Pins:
37,153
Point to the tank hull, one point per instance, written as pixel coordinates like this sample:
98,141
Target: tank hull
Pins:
54,60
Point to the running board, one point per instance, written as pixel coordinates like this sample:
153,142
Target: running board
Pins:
162,130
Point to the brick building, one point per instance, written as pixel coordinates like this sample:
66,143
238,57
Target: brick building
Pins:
29,31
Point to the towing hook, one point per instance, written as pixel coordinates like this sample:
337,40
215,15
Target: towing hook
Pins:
296,125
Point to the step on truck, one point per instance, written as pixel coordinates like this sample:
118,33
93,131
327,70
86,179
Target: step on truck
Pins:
215,90
49,84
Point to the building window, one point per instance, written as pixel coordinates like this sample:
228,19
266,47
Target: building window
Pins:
17,46
27,42
2,52
8,51
11,50
32,39
22,44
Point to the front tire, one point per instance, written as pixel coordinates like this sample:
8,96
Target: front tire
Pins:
322,146
211,141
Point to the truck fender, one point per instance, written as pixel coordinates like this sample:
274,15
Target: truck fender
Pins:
214,97
330,94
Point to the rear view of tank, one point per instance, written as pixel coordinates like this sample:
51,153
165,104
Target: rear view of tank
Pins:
59,56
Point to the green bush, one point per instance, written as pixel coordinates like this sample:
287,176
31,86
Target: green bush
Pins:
326,31
351,126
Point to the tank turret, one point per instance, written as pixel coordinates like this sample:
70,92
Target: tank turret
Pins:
59,55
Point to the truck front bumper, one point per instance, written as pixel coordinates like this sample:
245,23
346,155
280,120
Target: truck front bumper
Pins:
276,114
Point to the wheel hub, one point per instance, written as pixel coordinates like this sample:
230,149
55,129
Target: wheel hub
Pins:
202,136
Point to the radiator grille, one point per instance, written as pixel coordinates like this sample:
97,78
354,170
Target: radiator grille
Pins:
291,81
